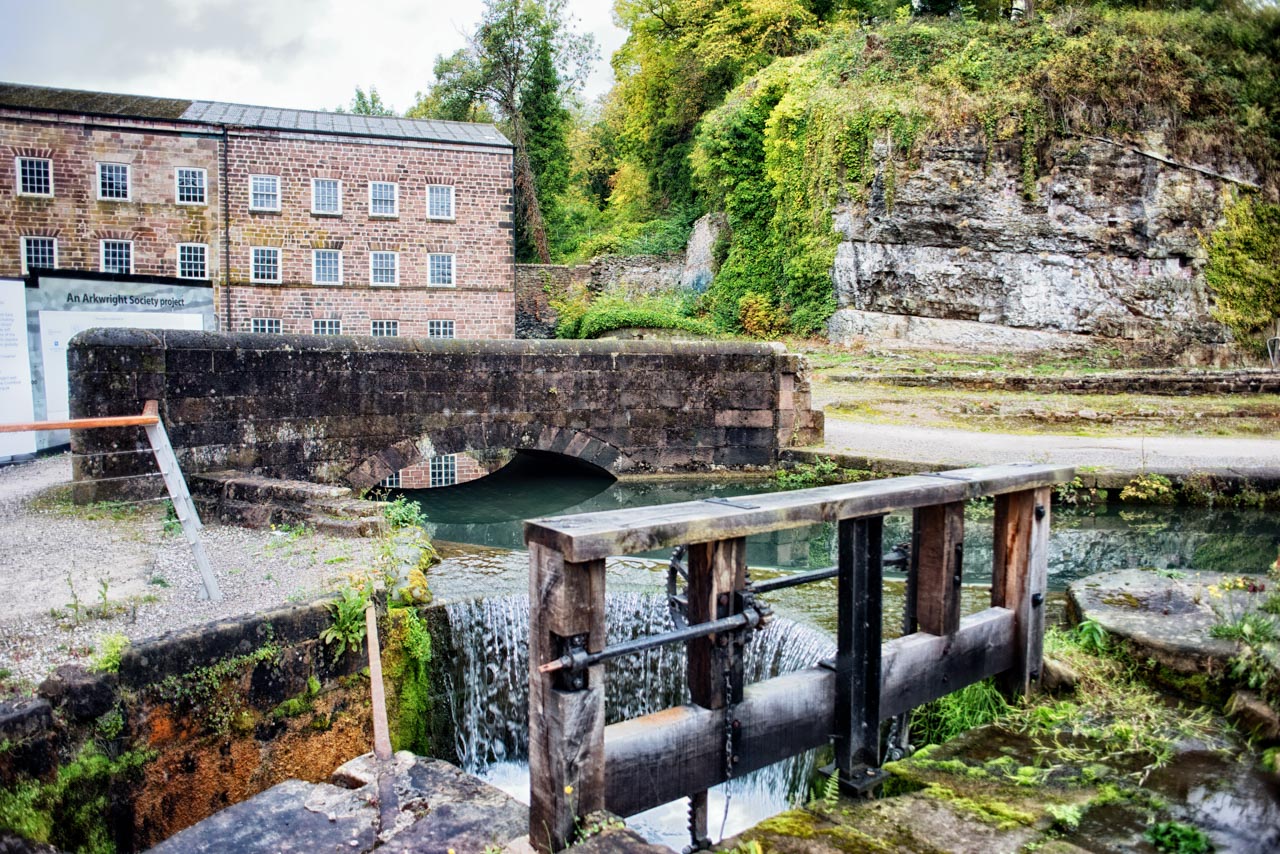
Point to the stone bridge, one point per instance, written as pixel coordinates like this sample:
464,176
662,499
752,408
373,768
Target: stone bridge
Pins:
350,410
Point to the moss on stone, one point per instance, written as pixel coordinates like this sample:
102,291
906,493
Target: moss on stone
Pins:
799,824
1001,815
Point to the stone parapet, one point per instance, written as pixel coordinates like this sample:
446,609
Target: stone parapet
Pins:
351,411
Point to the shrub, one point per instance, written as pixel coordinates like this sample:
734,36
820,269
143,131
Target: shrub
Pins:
1149,489
616,311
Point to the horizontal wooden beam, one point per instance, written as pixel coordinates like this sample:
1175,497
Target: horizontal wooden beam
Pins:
922,667
661,757
591,536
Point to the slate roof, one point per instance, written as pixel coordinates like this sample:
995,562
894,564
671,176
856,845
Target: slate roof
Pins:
242,115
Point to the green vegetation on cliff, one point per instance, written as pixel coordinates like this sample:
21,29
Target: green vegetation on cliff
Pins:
1244,270
846,117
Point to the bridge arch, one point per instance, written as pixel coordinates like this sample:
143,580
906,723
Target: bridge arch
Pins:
566,441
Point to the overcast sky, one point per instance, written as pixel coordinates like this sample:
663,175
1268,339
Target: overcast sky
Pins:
303,54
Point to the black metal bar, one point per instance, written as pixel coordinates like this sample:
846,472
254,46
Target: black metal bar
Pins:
794,580
578,659
858,637
893,558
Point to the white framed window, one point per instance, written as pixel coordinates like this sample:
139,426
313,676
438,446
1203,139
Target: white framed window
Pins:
440,329
189,185
326,267
439,201
116,256
265,265
264,192
444,470
113,182
265,325
39,252
326,196
384,198
391,481
326,327
35,176
193,261
440,270
384,268
384,328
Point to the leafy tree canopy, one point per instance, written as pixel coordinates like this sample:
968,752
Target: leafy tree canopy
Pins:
367,104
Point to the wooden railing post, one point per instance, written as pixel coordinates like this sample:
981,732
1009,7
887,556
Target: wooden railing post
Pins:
858,634
566,708
1019,577
937,557
717,571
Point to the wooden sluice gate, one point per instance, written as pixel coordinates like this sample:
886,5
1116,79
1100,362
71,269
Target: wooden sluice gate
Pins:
578,765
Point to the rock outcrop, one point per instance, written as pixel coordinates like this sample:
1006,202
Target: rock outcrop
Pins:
1108,243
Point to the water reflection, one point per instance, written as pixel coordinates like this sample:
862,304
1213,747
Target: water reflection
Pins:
489,512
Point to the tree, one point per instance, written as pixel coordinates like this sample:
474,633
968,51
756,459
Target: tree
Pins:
493,70
367,105
546,124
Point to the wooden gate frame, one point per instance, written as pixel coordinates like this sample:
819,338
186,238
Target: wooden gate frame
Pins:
578,765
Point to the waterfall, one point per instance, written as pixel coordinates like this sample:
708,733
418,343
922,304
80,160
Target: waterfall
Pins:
490,691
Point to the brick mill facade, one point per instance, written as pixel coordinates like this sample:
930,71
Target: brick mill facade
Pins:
303,222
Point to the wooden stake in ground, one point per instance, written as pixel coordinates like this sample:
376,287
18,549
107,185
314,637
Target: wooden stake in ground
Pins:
387,806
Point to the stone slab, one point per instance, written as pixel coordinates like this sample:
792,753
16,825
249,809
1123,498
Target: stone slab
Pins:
293,816
1167,618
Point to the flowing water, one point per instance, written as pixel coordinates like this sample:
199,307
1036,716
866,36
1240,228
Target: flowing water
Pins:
490,696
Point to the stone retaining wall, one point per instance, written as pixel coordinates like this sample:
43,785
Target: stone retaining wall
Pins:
1167,382
351,411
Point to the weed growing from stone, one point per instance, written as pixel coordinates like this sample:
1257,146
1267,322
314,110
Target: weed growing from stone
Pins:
348,627
821,472
206,692
285,537
960,711
1248,628
72,811
1178,838
1075,494
1113,718
403,513
110,648
172,525
74,605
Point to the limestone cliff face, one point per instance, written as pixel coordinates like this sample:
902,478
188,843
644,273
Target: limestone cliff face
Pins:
1109,246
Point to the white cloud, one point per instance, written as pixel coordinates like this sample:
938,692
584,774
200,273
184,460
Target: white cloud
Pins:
305,54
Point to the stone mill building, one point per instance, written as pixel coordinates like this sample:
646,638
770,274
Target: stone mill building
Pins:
301,222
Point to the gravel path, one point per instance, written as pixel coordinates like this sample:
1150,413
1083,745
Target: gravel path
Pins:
52,548
954,448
